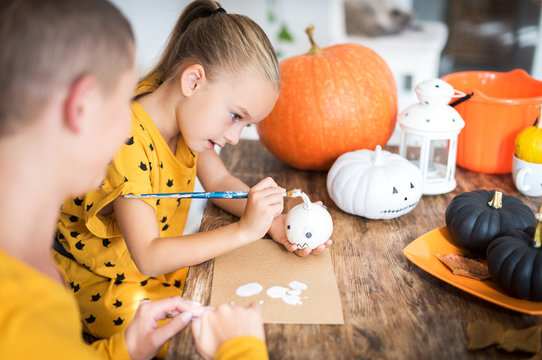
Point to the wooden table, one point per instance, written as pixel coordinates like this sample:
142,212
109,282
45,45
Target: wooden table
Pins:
392,308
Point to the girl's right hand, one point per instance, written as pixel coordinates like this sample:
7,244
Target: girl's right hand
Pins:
265,202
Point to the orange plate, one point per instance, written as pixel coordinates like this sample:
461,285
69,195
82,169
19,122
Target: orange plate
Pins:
422,252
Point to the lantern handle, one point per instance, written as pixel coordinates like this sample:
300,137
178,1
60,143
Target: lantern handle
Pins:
461,99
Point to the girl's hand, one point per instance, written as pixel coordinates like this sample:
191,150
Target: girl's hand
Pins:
216,327
277,231
265,202
144,338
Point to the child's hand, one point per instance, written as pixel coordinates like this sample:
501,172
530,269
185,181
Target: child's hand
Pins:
265,202
277,232
143,337
216,327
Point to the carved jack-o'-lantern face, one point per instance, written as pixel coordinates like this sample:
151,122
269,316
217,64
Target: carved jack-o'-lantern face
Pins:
308,224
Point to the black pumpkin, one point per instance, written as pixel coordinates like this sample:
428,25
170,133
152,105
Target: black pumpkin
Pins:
477,217
515,264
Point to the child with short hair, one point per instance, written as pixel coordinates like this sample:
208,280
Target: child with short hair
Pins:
67,75
217,74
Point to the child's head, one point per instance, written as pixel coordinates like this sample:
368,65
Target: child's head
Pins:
47,45
220,49
67,75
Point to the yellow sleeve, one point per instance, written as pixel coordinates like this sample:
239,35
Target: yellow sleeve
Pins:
30,334
113,348
39,318
242,347
129,173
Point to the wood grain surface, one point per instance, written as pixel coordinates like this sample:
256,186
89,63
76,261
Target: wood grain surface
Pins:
392,309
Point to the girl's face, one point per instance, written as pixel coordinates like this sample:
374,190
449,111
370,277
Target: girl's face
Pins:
217,111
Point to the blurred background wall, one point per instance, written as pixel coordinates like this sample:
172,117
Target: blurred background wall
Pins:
419,39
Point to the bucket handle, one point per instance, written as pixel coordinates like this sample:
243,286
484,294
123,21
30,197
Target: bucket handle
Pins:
464,97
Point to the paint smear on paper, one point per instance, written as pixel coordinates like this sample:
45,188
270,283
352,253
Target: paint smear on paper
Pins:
290,296
249,289
298,285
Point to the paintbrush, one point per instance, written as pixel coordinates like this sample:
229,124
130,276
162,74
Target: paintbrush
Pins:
206,195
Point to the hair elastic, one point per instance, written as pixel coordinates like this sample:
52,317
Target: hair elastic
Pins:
218,11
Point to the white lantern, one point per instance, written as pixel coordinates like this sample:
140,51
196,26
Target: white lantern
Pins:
429,131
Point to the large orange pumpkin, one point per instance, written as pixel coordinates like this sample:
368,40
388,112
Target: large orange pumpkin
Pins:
332,101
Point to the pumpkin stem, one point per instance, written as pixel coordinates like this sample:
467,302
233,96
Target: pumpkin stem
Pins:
378,156
315,49
539,115
537,241
306,201
496,202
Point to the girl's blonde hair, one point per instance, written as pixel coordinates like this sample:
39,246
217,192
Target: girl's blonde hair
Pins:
207,35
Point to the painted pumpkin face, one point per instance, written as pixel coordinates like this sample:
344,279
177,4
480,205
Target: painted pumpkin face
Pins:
308,225
374,184
396,199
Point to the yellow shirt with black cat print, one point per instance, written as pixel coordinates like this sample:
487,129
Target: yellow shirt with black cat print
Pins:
93,255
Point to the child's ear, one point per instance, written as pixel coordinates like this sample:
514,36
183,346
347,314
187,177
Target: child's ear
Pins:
191,78
79,102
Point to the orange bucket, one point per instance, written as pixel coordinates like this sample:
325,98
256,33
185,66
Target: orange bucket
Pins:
503,104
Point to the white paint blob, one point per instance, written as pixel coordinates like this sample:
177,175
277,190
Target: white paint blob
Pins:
290,296
292,299
276,292
298,285
294,292
249,289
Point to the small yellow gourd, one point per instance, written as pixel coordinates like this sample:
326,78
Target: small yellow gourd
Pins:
529,142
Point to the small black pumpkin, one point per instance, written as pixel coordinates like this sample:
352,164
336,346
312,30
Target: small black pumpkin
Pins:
515,263
477,217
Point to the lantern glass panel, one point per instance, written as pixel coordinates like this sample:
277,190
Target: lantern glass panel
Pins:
413,146
438,160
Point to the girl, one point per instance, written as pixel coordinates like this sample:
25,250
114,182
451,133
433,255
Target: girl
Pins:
217,74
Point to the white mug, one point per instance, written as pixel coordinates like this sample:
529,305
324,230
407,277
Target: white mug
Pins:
527,177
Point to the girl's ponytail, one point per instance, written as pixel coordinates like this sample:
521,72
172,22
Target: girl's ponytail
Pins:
217,40
195,10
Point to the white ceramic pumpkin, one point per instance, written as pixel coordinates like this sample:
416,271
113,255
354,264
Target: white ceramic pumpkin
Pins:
374,184
308,224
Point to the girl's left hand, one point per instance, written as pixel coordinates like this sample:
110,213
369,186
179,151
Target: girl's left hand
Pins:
278,233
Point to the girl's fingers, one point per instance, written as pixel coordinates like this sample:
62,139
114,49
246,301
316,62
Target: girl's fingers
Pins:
317,251
289,246
320,249
270,192
265,183
303,252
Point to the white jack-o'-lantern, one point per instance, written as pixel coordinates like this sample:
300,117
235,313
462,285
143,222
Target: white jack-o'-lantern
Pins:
308,224
374,184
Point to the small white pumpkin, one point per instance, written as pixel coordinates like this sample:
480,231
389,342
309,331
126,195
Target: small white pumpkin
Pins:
374,184
308,224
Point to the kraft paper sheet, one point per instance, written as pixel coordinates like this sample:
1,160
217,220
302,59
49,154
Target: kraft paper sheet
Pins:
269,264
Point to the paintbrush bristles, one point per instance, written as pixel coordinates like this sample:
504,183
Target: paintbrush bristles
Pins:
293,193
